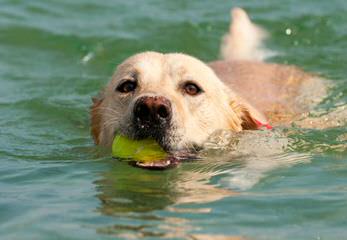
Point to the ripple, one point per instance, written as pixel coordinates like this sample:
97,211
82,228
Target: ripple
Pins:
55,184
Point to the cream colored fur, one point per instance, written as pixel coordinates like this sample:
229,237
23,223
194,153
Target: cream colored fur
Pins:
194,117
237,92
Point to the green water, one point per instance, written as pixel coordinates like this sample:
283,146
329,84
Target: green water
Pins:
55,184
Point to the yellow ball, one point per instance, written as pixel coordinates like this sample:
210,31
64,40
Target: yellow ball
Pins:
146,150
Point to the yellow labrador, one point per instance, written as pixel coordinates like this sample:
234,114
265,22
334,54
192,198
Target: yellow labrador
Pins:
179,100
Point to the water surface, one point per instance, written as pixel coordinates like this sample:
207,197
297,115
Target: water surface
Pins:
55,184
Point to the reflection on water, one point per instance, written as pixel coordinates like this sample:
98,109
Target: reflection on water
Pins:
134,195
55,184
230,164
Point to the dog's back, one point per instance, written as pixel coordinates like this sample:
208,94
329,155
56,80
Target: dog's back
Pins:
273,89
278,91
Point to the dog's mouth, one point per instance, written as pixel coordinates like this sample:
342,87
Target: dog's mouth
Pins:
167,140
145,156
161,135
172,160
166,163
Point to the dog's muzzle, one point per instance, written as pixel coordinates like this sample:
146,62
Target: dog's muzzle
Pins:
152,116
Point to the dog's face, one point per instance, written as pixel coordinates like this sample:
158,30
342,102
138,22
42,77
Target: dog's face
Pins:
173,98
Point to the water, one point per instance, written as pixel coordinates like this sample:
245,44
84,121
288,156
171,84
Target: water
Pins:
55,184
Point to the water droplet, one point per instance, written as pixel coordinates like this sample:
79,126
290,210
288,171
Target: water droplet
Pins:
87,57
288,31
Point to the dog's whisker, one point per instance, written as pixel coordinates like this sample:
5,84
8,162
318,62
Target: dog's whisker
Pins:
113,119
110,122
104,114
109,109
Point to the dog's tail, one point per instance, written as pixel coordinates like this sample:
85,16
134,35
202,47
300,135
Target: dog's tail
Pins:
244,41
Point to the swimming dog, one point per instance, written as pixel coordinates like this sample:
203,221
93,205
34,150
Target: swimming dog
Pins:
179,100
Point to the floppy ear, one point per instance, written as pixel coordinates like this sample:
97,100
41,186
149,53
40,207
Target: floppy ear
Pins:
248,121
243,119
95,118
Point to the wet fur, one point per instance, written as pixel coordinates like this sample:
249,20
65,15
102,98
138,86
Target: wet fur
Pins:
246,90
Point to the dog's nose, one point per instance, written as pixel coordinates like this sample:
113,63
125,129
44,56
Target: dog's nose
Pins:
152,110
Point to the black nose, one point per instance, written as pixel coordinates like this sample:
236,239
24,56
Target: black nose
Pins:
152,110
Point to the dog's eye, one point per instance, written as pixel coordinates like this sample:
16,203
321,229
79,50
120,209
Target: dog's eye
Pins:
191,89
127,86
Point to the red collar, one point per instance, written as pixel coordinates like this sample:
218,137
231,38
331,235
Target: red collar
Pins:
263,125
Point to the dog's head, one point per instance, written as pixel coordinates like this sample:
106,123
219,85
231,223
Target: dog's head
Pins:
173,98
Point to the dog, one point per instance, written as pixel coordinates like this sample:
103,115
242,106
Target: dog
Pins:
179,100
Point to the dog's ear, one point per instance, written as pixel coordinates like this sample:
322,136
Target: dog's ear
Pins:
95,118
243,119
248,121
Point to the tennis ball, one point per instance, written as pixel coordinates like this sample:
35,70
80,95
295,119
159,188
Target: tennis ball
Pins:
145,150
